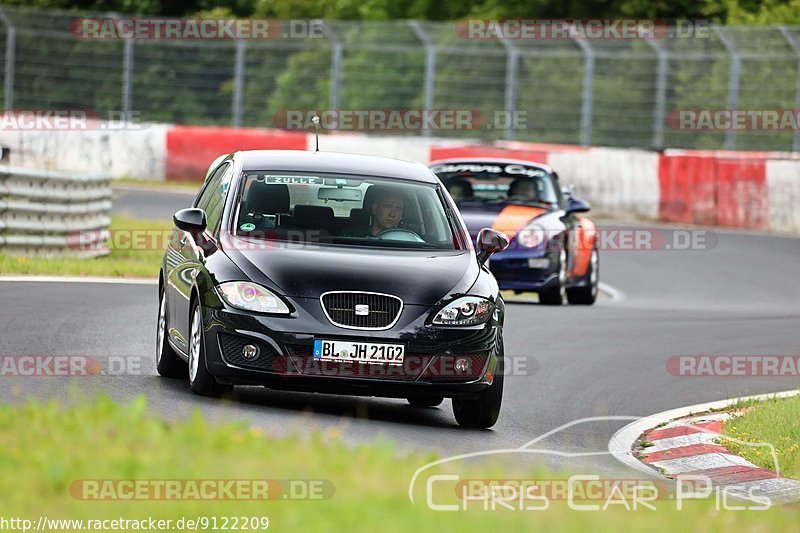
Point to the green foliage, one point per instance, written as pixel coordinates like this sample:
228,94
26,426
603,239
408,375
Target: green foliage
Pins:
763,13
772,422
730,11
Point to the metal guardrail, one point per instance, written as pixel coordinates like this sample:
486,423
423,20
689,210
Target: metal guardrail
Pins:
53,213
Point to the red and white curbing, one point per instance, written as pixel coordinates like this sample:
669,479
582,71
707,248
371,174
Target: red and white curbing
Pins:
686,444
689,447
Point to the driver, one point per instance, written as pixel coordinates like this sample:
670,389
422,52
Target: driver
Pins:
387,210
386,213
523,189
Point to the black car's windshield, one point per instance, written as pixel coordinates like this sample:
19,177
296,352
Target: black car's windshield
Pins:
498,183
342,210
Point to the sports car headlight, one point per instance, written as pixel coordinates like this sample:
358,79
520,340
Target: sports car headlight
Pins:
532,236
251,297
466,311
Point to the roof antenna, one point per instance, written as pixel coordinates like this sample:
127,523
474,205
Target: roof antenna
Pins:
315,120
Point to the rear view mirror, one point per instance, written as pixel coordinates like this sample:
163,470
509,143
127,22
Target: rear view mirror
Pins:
574,205
339,194
489,242
191,220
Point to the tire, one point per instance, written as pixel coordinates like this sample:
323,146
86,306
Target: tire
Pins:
483,411
587,295
556,293
201,381
168,363
425,401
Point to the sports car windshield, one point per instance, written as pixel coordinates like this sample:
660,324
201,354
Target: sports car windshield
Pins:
343,210
498,183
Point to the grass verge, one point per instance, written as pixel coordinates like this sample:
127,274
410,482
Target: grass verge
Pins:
46,448
773,421
137,246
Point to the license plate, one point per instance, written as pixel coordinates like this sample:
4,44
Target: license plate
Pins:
364,352
538,262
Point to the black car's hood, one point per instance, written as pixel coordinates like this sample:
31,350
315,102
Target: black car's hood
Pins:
418,277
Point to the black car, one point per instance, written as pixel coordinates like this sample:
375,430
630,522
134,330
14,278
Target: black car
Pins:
332,273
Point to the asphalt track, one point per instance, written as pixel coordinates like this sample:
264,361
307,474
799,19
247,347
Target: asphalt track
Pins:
738,296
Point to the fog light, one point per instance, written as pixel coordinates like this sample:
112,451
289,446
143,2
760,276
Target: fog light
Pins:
462,365
250,352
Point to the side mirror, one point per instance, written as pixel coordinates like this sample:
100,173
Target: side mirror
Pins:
489,242
191,220
575,205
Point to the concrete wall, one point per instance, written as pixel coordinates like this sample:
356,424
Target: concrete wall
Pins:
753,190
136,153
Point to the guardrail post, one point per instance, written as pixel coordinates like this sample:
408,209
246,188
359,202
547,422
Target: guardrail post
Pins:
733,82
238,83
336,68
430,68
587,89
8,76
659,111
512,72
127,78
794,42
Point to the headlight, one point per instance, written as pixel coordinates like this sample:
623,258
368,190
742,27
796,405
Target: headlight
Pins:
532,236
466,311
251,297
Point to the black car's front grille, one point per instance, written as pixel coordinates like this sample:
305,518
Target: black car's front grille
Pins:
361,310
232,345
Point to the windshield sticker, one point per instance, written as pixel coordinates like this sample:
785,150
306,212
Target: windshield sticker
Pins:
294,180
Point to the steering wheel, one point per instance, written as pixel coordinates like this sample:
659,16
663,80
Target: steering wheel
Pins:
399,234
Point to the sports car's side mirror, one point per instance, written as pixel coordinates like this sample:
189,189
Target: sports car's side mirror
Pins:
191,220
575,205
489,242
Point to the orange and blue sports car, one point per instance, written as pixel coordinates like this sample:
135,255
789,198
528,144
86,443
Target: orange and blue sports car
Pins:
553,248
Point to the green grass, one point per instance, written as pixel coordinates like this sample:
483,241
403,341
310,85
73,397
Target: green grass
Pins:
128,259
45,448
773,421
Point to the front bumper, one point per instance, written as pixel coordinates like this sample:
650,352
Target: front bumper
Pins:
524,269
286,359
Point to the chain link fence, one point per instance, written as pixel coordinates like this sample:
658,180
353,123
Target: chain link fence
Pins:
589,92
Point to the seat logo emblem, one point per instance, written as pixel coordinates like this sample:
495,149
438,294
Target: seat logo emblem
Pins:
362,310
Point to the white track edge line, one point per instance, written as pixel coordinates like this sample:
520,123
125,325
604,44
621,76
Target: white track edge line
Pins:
614,293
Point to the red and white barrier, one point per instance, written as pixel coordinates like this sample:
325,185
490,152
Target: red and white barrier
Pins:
190,149
751,190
